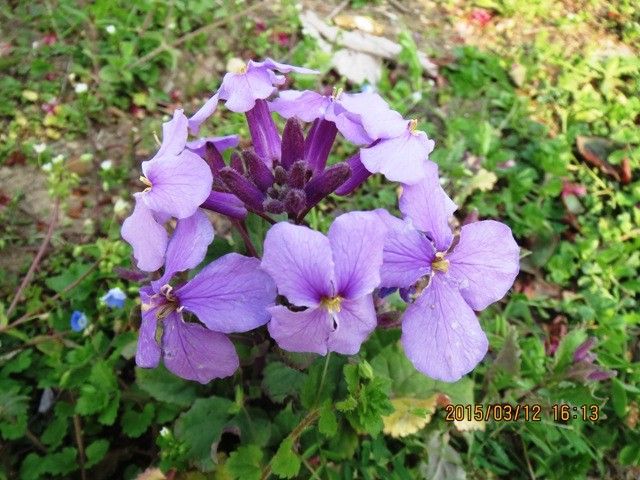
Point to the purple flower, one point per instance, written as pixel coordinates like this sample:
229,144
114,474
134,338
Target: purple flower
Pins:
327,280
229,295
179,181
78,321
392,146
441,334
114,298
584,367
253,81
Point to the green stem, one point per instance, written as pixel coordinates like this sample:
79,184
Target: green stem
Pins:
322,378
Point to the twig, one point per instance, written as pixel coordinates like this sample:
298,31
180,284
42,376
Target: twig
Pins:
307,421
36,261
242,229
36,443
78,434
185,38
27,317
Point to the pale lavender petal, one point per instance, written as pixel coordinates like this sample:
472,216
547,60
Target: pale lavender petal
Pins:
376,117
148,350
178,184
241,90
230,294
174,135
281,67
306,105
389,220
354,322
203,114
147,237
187,246
357,239
225,203
195,353
400,159
441,335
299,260
485,262
221,143
350,126
408,255
306,331
429,208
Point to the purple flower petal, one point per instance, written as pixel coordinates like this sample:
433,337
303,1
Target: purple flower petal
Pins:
187,246
350,126
264,133
178,184
241,90
408,255
300,262
306,331
354,322
306,105
203,114
440,333
281,67
230,294
377,118
429,208
356,240
174,135
147,237
195,353
400,159
485,262
221,143
148,350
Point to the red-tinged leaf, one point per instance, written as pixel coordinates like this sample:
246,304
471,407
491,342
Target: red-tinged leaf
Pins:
595,151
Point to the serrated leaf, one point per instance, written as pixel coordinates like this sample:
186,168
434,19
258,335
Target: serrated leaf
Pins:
163,386
281,381
444,461
135,423
285,463
410,416
13,413
96,452
327,421
311,393
245,463
568,346
201,426
55,431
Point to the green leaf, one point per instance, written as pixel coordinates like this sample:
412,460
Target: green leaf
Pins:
618,397
13,413
315,389
201,426
444,461
567,347
281,381
328,422
135,423
245,463
55,431
166,387
96,452
286,463
630,455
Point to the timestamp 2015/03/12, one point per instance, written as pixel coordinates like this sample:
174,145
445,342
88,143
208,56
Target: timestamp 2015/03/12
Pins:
505,412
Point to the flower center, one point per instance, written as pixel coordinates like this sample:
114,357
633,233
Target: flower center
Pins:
171,304
147,182
237,66
337,91
440,263
413,126
332,304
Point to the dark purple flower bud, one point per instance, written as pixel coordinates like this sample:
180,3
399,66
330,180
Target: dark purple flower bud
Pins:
264,133
358,175
243,189
583,352
271,205
385,291
225,203
213,157
298,174
406,293
218,184
295,201
318,143
236,163
292,143
472,216
280,175
322,185
389,320
600,375
133,274
257,170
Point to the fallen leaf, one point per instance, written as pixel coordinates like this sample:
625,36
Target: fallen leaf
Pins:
595,151
359,22
410,416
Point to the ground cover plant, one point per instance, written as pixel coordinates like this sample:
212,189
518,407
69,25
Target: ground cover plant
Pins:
530,128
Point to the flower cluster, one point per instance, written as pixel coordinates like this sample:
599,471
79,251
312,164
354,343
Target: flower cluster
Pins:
316,293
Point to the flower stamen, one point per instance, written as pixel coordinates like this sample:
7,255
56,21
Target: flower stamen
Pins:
413,126
440,263
147,182
332,304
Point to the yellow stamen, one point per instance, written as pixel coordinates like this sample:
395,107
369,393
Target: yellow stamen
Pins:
337,91
413,125
236,65
332,304
147,182
440,263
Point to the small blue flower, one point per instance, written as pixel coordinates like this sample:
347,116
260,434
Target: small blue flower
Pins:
78,321
114,298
